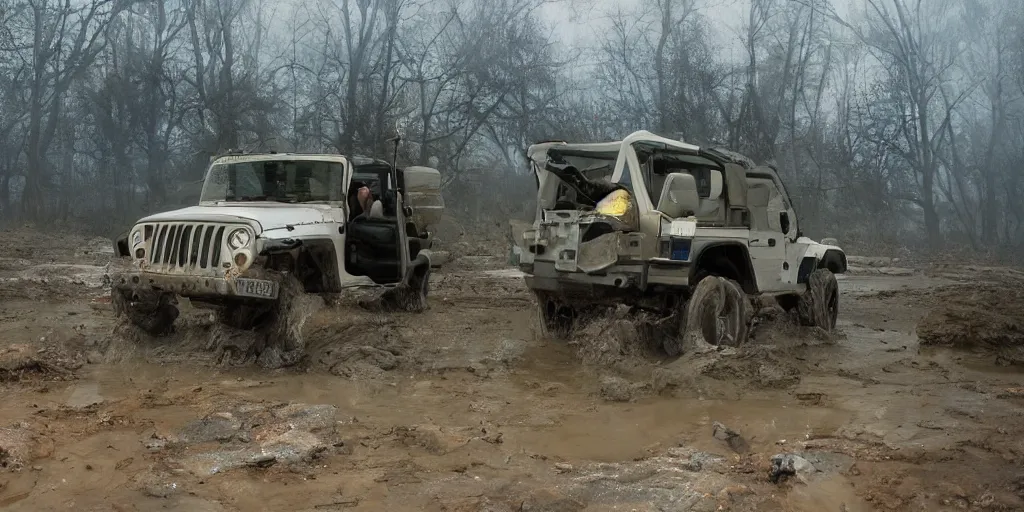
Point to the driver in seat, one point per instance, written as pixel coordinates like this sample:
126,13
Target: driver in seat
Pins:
363,203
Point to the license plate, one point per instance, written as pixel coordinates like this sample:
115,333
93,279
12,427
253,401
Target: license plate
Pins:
256,288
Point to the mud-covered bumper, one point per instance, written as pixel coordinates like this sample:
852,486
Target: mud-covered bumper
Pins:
639,276
252,284
544,276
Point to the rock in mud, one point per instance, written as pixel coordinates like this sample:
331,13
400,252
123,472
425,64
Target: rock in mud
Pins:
259,436
290,447
786,465
733,439
221,426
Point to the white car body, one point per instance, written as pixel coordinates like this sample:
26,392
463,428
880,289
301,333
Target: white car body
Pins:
187,251
557,259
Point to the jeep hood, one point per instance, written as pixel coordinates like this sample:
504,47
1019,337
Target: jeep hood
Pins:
266,216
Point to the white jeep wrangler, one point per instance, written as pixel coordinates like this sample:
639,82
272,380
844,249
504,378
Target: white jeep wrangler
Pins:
270,226
688,232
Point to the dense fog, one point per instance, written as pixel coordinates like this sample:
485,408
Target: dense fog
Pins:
896,123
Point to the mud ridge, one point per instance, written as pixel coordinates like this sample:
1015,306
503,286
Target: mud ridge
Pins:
983,317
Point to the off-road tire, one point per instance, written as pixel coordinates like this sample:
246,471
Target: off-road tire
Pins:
154,313
819,304
717,314
554,319
284,332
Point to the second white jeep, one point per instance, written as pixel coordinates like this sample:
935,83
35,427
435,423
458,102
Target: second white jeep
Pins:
669,227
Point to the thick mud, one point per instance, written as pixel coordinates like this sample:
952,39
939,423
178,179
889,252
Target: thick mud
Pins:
465,408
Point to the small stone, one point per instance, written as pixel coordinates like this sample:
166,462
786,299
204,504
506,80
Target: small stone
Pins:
94,357
788,464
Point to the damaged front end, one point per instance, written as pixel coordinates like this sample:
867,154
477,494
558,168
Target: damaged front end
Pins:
586,233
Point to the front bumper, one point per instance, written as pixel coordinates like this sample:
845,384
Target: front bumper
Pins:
127,276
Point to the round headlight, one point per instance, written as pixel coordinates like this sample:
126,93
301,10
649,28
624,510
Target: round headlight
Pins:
238,238
136,238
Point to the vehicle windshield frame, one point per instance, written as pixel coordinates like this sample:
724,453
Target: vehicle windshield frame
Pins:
299,175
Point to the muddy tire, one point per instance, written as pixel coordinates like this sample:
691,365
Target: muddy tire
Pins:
819,304
554,319
717,314
285,329
153,313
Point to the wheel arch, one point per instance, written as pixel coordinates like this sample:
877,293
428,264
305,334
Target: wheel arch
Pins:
314,261
121,245
727,259
834,260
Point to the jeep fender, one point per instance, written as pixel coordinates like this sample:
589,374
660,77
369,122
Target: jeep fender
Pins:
734,255
121,244
818,256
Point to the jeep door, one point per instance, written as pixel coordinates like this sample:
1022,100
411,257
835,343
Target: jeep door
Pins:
766,241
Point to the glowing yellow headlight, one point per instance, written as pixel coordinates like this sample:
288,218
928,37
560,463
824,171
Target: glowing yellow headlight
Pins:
615,204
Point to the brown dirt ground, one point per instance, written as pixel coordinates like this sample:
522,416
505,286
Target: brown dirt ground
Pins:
464,408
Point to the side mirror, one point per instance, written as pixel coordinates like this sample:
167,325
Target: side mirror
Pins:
784,222
679,195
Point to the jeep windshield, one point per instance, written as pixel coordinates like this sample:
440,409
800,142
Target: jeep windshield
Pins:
284,181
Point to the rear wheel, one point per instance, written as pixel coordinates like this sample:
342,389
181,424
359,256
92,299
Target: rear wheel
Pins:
717,314
819,305
554,318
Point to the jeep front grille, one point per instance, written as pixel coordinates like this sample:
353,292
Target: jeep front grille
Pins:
186,245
